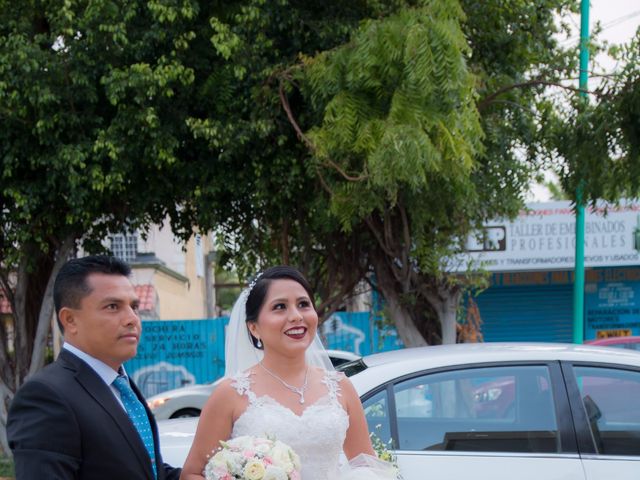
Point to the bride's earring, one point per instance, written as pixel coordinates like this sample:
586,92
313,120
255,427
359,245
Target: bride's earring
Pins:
259,344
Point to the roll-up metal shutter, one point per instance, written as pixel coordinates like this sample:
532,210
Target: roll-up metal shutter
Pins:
532,313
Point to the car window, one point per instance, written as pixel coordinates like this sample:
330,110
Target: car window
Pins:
498,409
336,362
351,368
376,410
611,399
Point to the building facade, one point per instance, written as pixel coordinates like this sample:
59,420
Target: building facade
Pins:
531,260
173,279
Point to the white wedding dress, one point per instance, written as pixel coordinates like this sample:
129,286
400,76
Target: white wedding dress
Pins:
316,436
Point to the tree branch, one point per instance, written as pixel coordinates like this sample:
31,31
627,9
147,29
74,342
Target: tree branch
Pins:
302,137
323,182
407,246
485,102
381,242
346,176
287,108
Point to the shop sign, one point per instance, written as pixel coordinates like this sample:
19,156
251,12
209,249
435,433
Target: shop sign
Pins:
542,237
612,309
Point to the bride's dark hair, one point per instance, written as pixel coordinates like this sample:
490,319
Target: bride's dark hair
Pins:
259,290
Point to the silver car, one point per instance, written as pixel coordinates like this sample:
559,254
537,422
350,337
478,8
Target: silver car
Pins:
494,411
188,401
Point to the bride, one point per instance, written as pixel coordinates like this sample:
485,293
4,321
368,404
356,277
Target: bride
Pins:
280,384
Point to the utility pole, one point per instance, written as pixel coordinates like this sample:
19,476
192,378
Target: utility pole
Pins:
578,285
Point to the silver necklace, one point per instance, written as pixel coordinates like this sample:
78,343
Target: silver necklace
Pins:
299,391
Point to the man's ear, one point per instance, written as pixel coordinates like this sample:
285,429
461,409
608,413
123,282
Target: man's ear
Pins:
68,320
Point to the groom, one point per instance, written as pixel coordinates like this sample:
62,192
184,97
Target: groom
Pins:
81,417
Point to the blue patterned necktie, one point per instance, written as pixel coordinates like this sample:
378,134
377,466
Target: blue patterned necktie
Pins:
138,416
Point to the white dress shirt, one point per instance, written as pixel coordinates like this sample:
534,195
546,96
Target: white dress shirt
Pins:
104,371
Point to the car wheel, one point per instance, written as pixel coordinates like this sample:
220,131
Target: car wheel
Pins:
186,413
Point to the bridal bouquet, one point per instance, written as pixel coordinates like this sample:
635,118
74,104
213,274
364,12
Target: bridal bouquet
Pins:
253,458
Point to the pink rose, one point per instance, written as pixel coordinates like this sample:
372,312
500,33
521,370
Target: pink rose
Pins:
222,473
249,453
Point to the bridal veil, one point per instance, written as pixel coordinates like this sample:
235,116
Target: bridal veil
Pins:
240,353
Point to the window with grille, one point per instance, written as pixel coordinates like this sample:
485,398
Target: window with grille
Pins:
124,246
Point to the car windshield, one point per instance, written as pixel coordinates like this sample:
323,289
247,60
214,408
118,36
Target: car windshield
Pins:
351,368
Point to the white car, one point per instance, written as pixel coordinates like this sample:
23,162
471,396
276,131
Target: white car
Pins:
188,401
494,411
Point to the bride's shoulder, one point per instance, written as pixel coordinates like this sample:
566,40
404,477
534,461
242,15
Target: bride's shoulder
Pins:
225,395
331,375
344,387
240,383
223,388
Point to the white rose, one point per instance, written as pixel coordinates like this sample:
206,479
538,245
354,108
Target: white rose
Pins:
228,460
281,457
296,460
242,443
235,461
254,470
219,459
262,447
274,473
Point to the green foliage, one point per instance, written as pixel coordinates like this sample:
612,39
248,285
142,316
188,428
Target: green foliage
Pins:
263,199
597,139
93,101
516,48
382,449
556,191
6,467
400,119
418,119
227,289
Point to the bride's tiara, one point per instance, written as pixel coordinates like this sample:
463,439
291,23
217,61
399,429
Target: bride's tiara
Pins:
253,283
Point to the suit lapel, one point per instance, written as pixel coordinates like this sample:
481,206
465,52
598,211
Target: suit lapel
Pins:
105,398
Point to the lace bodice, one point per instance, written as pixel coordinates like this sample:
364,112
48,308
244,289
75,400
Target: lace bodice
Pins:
316,436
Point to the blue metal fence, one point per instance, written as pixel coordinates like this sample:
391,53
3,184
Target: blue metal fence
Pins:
176,353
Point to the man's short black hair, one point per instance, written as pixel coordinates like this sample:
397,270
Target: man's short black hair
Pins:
71,285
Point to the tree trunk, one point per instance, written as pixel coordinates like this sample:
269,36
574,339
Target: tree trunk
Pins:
401,315
446,303
20,343
406,327
33,311
47,309
6,395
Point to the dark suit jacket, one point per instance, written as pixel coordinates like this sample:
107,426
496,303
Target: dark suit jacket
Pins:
65,423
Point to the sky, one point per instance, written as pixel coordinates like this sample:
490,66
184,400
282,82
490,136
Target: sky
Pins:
619,19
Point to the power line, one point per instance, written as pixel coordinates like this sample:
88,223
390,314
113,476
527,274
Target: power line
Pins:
605,26
617,21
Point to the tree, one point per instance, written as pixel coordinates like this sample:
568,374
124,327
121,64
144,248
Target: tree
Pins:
397,147
597,138
263,199
418,125
94,100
